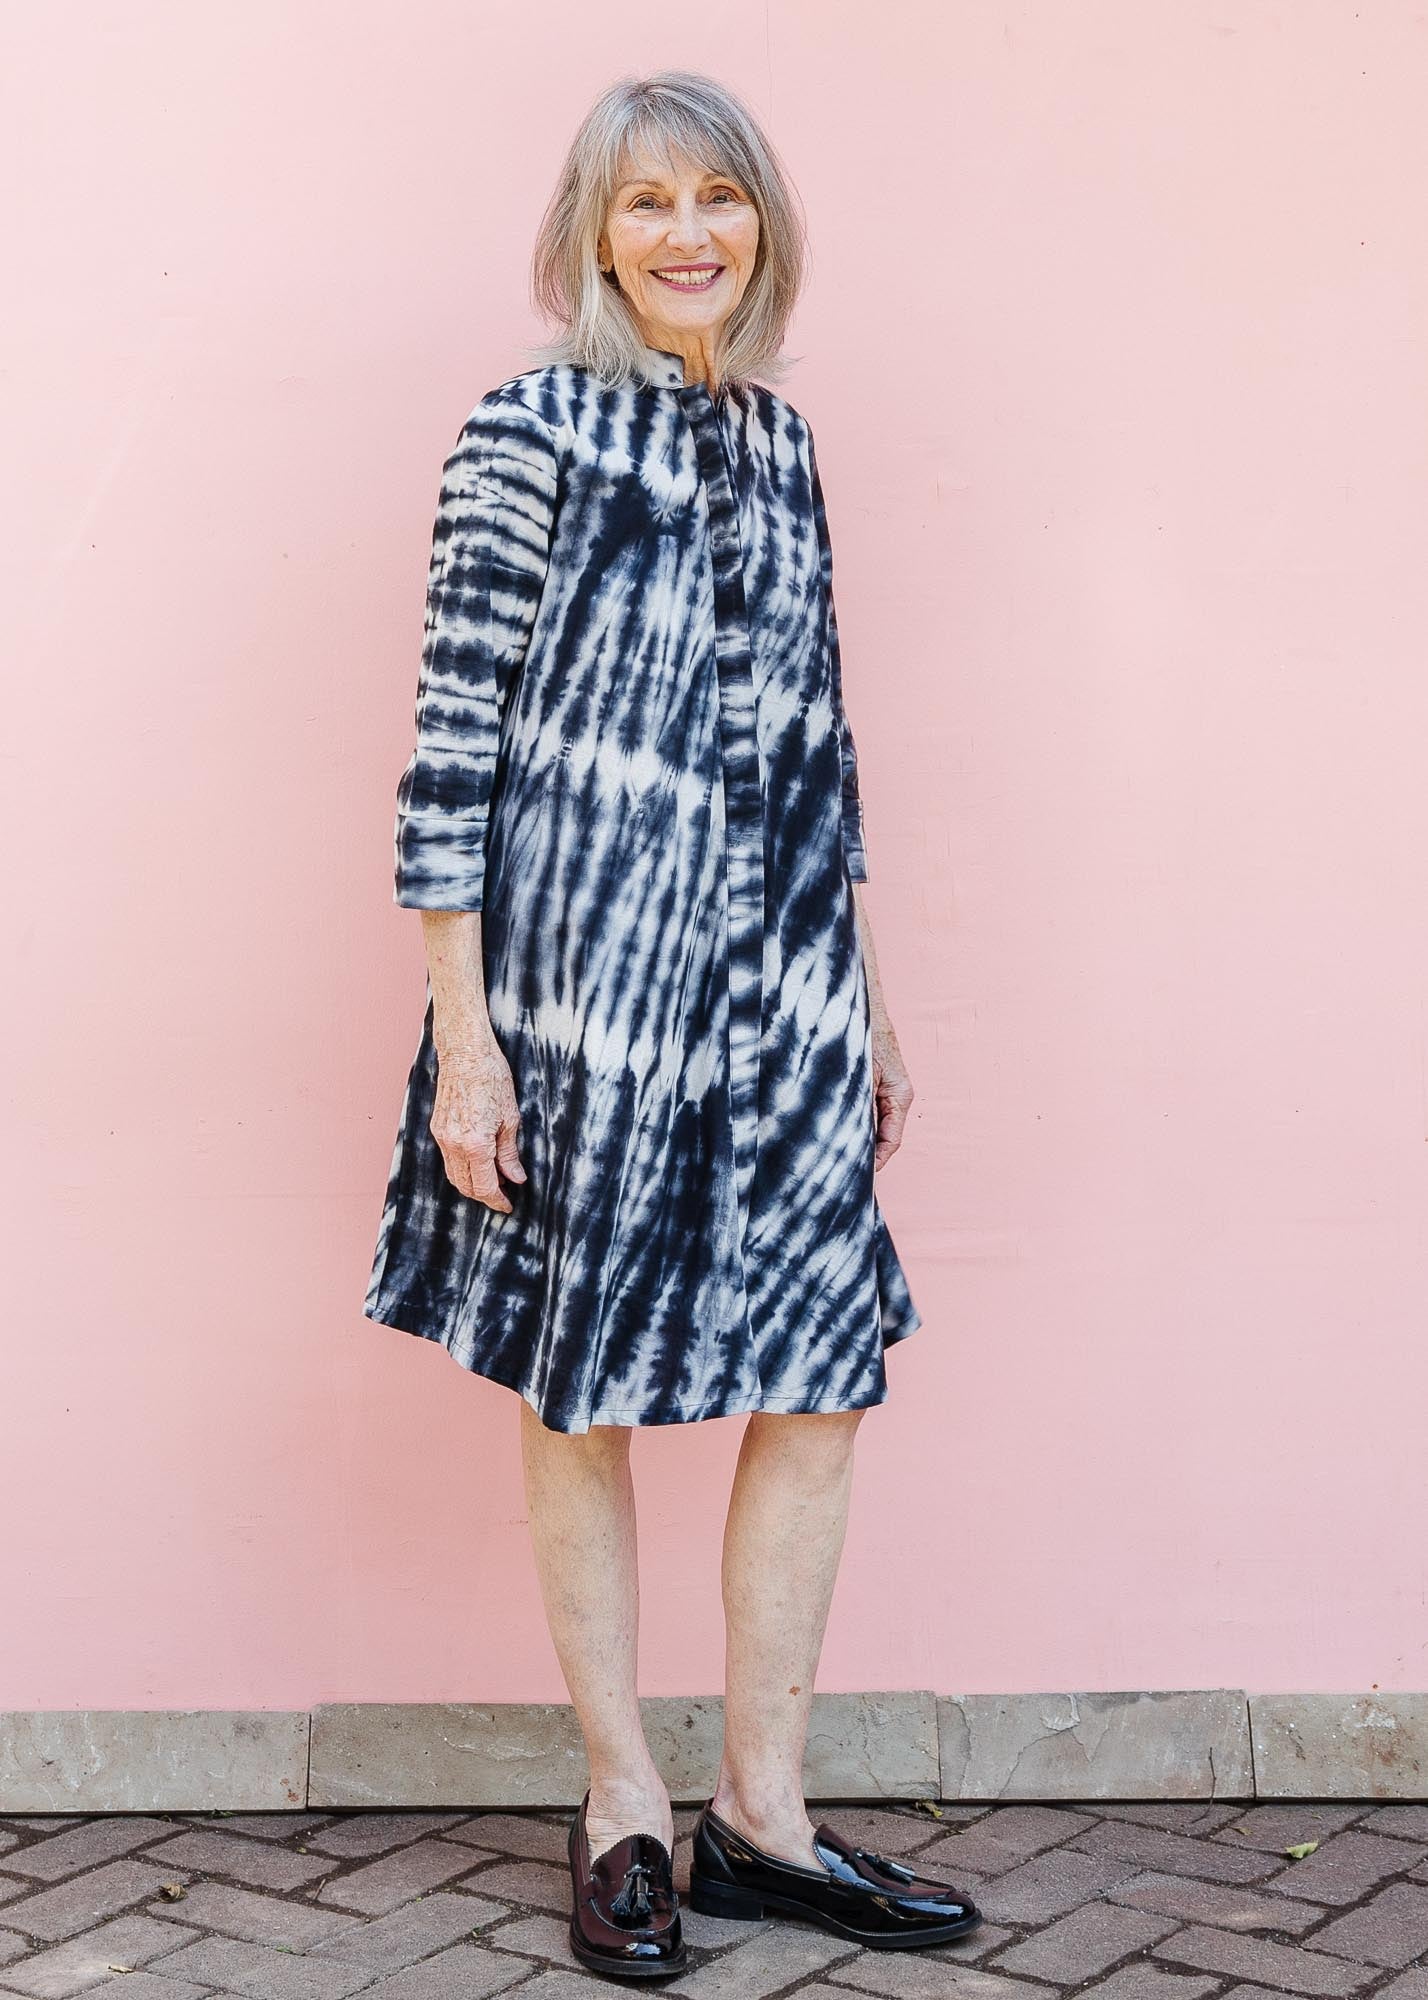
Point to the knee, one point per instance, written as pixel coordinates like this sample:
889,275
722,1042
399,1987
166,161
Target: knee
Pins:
814,1434
602,1447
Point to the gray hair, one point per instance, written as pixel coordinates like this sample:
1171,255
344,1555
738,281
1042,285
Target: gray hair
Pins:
670,110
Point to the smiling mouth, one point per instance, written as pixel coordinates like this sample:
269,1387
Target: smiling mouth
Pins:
698,279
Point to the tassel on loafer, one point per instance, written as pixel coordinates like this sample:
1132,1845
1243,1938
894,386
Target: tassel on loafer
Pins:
624,1920
860,1895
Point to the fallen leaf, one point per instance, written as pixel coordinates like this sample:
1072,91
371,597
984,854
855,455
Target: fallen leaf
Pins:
1305,1847
171,1891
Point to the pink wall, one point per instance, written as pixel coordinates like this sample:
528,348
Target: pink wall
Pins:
1115,352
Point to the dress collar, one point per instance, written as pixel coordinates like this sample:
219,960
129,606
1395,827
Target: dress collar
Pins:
666,371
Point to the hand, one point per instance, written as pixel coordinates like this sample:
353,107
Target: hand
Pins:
475,1122
892,1090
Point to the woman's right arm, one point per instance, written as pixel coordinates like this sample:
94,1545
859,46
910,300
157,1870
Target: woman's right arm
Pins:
490,548
475,1120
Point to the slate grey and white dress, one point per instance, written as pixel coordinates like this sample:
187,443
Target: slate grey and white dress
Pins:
632,757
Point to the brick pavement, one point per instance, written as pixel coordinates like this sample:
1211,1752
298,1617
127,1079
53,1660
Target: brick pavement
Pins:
1126,1902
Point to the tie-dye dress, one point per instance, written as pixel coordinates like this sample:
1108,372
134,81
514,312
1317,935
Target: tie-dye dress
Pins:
632,758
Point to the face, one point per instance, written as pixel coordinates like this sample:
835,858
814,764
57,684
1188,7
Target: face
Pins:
682,242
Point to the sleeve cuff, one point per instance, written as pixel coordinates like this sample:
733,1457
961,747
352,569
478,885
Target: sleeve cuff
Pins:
440,862
855,850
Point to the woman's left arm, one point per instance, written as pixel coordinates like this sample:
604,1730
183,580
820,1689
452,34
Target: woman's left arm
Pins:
892,1086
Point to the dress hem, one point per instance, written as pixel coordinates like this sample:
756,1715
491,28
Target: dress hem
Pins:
624,1418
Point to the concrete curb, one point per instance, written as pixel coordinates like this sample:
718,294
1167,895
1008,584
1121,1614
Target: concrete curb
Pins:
1218,1743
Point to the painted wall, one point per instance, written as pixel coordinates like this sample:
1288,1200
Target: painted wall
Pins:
1115,353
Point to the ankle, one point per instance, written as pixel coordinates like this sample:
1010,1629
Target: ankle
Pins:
627,1791
621,1804
777,1822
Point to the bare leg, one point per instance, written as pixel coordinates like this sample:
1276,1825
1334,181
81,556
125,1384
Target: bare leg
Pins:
581,1502
788,1515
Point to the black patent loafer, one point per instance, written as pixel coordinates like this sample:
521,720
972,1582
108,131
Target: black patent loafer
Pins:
624,1920
858,1894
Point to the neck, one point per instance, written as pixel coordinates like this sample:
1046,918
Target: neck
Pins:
695,349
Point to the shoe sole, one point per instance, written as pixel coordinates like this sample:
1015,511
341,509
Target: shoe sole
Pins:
723,1899
667,1968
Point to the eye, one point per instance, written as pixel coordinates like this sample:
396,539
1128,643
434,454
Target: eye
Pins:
727,193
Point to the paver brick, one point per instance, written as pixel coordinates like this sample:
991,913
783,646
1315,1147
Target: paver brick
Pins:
1086,1942
887,1831
86,1899
1255,1993
1343,1869
382,1885
976,1945
1283,1967
1146,1982
549,1938
257,1918
1229,1905
147,1986
75,1965
1403,1822
1173,1853
86,1846
1049,1886
257,1825
569,1986
1178,1816
360,1835
258,1972
1275,1827
532,1882
515,1834
10,1889
12,1945
428,1924
255,1863
713,1933
1412,1986
1004,1839
778,1957
1391,1929
908,1975
465,1972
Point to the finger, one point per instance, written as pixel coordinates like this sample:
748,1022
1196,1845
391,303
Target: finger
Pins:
896,1123
892,1121
484,1184
507,1157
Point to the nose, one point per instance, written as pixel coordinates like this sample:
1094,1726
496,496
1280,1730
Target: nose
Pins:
688,233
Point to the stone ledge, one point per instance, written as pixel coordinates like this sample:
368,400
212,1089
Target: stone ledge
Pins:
88,1760
1217,1743
1190,1744
860,1746
1341,1746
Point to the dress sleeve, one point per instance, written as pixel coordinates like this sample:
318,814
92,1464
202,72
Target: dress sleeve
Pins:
489,555
853,842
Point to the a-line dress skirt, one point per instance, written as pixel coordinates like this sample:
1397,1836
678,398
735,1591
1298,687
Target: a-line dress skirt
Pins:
632,758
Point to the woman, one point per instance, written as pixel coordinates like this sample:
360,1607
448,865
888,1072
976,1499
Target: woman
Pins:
634,1174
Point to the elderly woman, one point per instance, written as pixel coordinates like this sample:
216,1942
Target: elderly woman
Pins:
633,1179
